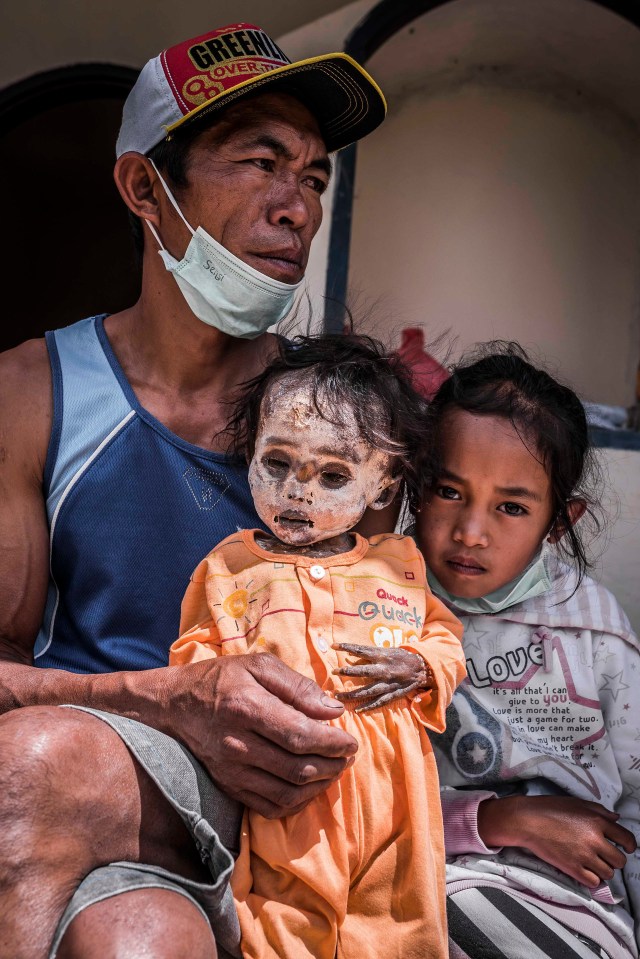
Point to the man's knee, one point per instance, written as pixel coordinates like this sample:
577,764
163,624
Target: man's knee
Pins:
60,771
137,925
73,798
52,752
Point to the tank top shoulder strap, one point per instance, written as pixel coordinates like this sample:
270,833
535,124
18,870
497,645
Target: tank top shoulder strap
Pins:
89,404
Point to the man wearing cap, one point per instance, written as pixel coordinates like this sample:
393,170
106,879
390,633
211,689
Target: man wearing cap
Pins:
110,438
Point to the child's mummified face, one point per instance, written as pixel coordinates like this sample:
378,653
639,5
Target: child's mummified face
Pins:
312,479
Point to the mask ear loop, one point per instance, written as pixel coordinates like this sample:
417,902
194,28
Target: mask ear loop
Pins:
173,203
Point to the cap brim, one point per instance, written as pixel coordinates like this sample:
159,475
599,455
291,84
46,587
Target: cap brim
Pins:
347,103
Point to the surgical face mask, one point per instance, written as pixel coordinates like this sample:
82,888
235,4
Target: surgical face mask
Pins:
533,581
220,289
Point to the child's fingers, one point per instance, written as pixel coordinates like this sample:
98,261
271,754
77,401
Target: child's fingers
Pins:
621,837
587,877
372,653
612,856
366,692
388,698
373,671
602,810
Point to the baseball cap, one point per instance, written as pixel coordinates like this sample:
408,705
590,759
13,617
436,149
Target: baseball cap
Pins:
199,76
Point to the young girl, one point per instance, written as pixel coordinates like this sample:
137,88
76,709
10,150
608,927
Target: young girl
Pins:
330,428
541,751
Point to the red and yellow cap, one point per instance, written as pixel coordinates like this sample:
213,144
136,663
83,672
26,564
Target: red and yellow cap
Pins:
204,74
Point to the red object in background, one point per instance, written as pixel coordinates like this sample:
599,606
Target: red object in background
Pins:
428,374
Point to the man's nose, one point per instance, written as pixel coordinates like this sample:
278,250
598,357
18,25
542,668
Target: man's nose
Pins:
471,529
288,205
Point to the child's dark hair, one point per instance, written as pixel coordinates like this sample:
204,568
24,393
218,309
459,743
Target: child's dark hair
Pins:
346,371
549,418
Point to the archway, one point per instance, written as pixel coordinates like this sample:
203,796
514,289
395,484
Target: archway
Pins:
65,225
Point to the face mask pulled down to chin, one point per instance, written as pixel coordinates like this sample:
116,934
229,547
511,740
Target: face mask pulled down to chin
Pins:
532,581
222,290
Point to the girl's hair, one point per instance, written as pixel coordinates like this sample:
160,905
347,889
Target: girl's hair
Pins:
548,417
345,372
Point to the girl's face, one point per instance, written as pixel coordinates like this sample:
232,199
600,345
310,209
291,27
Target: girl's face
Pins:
490,510
311,479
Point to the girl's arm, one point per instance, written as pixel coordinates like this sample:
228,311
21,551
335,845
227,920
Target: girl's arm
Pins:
460,808
573,835
578,837
617,672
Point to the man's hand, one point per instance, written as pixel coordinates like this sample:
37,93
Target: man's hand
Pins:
393,673
578,837
259,728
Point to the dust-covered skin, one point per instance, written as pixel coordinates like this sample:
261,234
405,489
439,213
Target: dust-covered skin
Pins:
311,481
312,478
392,674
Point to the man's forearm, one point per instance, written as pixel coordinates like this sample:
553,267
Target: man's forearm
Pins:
142,695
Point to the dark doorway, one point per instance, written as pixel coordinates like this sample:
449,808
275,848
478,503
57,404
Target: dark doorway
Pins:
69,252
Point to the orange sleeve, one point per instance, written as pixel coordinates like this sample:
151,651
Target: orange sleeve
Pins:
199,637
441,648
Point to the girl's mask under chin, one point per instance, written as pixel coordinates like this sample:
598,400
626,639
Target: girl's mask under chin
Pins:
532,581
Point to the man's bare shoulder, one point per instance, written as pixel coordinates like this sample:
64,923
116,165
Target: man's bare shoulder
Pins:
26,404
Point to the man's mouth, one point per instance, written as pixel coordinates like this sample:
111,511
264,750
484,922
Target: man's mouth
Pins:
465,566
286,262
292,520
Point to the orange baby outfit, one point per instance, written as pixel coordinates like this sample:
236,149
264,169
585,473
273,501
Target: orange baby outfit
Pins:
359,873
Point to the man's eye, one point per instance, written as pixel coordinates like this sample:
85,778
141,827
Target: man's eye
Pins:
513,509
447,492
316,184
263,163
276,466
334,480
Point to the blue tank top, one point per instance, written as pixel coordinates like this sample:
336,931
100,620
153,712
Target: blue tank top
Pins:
132,510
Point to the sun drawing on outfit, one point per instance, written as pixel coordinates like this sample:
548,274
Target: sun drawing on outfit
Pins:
236,605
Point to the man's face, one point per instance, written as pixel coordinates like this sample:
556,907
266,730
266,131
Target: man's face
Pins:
255,180
312,479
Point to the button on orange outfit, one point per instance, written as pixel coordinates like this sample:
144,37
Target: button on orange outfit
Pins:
359,873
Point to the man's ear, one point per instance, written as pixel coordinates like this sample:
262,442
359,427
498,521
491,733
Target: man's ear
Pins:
575,509
135,179
387,493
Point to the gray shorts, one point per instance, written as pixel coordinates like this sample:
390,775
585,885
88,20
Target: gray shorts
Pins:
211,817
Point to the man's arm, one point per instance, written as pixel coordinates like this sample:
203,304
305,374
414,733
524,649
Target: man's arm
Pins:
255,724
25,426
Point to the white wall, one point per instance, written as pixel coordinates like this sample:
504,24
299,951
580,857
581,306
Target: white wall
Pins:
619,565
494,210
37,36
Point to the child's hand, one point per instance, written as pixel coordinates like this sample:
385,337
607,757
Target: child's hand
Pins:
393,673
578,837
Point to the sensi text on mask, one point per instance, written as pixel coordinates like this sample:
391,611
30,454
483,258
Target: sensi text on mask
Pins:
212,269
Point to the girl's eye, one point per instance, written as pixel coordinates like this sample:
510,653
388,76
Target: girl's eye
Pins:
334,480
447,492
513,509
276,466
